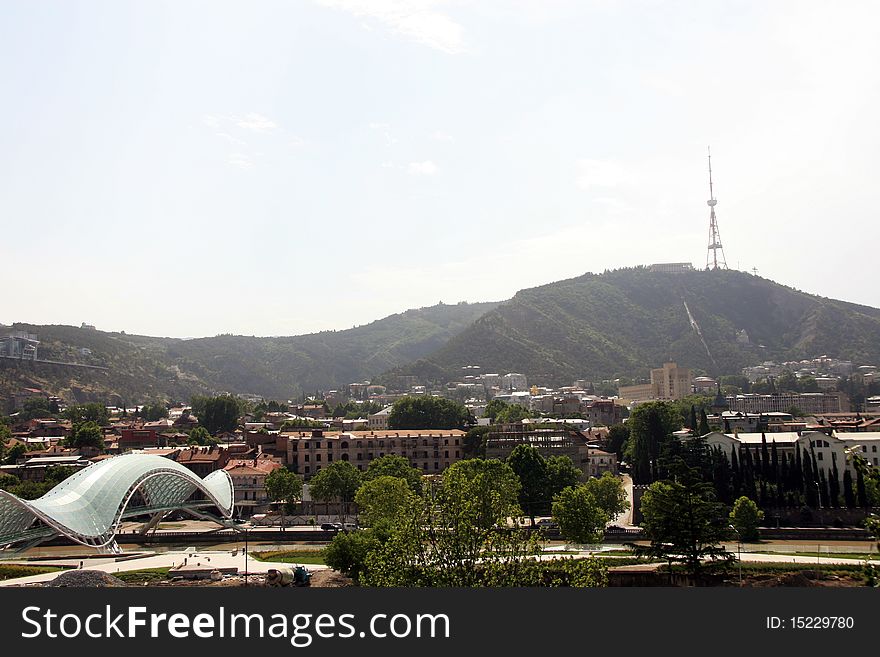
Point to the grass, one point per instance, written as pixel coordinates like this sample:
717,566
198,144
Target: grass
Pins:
313,557
146,575
832,555
12,571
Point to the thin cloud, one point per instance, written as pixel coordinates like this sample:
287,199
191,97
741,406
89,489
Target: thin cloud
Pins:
417,20
240,160
426,168
256,122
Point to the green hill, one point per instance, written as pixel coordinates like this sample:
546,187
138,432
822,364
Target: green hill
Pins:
142,368
623,322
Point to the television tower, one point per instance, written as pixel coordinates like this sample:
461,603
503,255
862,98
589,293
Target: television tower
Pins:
712,257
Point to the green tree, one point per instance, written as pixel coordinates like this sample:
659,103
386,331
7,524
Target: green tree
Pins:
57,473
86,434
474,443
8,481
579,516
428,413
683,521
15,452
338,481
609,493
493,408
458,533
218,413
650,430
531,468
153,412
348,552
392,465
200,436
92,412
512,414
561,473
484,492
382,500
35,407
745,517
285,487
618,434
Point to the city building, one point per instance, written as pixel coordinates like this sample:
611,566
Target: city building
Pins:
429,450
249,482
811,403
560,440
379,421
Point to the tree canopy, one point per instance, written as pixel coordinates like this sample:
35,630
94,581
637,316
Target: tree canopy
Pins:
392,465
580,518
428,413
284,486
338,481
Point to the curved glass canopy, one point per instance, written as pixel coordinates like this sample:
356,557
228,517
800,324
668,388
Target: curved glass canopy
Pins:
88,506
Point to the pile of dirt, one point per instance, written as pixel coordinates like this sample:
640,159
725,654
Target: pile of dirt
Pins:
328,579
85,578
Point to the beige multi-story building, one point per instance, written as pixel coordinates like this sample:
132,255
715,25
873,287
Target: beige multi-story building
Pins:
667,382
672,381
429,450
249,481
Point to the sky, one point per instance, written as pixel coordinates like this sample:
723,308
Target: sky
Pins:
275,168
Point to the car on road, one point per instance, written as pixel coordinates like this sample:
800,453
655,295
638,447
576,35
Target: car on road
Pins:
331,526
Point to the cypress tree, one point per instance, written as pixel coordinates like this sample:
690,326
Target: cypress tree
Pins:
861,493
809,481
749,476
774,464
736,473
834,486
704,423
849,497
798,473
762,495
695,430
765,457
823,489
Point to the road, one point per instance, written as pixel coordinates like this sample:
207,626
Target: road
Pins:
204,558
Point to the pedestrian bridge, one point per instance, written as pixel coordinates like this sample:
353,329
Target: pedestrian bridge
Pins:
89,506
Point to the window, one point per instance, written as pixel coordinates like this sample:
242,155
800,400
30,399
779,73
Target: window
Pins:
456,454
307,457
424,466
307,470
360,457
864,448
875,460
360,467
456,441
318,445
874,448
381,454
305,445
329,457
255,481
446,441
345,457
436,465
446,454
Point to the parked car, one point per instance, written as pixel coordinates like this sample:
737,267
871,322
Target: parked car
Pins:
331,526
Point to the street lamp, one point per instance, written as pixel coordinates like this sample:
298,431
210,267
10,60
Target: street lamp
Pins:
245,556
739,557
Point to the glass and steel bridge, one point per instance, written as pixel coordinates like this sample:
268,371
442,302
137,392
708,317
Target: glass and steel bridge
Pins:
89,506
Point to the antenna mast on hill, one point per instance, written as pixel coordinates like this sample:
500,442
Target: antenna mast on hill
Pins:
712,259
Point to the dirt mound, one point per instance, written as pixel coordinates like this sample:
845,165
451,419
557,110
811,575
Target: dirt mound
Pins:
330,579
85,578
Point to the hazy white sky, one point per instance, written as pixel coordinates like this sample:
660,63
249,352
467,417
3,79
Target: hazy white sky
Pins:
270,168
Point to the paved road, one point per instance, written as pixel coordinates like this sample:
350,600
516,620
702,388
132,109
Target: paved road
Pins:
205,558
